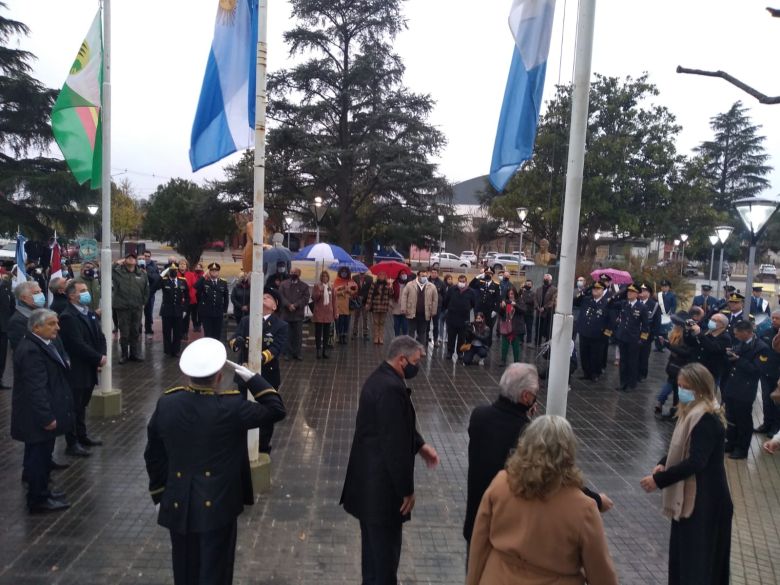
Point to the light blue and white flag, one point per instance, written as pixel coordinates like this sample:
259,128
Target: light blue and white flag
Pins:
531,24
21,259
225,118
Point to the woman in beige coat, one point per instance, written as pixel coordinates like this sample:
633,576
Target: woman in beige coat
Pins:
534,525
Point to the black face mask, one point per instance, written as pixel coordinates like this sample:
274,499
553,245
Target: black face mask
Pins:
294,277
527,287
410,370
89,273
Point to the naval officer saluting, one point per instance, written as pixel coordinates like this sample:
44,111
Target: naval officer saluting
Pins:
198,464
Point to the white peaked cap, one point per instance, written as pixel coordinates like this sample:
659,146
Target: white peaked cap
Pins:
203,358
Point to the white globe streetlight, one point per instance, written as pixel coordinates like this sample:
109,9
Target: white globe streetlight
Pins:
723,232
713,240
522,213
755,213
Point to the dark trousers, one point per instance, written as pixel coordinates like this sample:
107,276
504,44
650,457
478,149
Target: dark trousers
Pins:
359,318
771,411
592,356
294,338
37,460
629,364
739,419
543,324
456,336
3,353
321,334
212,327
380,548
129,330
436,327
149,313
191,313
644,358
418,328
400,326
342,325
172,331
81,398
204,558
529,324
475,352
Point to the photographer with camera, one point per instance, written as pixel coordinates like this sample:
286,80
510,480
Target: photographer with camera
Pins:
710,345
680,354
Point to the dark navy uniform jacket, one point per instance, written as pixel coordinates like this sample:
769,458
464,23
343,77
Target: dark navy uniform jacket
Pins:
742,380
593,321
653,316
713,305
213,297
175,297
197,457
633,324
274,342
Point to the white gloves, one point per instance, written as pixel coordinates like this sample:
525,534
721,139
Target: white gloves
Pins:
244,373
493,315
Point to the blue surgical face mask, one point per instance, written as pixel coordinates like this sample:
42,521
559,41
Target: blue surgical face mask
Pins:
39,299
685,395
711,325
423,279
85,298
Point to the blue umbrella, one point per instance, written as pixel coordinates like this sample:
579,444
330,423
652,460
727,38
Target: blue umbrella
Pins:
324,253
353,265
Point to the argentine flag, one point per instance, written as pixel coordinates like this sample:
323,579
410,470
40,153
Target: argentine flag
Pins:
225,118
531,24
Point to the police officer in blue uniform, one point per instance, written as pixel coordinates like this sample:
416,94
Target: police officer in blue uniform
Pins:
707,302
633,329
274,342
734,310
198,464
175,300
654,318
758,304
593,329
213,301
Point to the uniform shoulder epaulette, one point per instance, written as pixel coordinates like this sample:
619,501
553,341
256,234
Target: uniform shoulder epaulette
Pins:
176,389
725,312
222,280
229,393
180,278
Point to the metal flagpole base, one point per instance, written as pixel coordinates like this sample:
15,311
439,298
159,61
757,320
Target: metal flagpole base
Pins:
106,404
261,474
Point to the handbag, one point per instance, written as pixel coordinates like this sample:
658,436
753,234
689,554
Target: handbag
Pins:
505,327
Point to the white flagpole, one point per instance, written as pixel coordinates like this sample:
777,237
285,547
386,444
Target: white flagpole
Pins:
106,388
257,277
563,322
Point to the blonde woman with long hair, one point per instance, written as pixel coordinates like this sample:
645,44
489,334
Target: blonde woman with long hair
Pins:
534,524
695,490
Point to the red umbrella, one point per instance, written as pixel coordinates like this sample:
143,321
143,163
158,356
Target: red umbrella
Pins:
391,268
617,276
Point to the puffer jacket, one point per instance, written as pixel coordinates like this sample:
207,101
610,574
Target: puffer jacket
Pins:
131,289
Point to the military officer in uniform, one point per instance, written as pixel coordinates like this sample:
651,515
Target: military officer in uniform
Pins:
707,302
175,301
654,319
198,464
274,343
748,359
633,328
593,330
213,301
758,304
735,310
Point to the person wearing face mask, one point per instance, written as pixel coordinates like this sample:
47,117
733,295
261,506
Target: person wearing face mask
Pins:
379,483
695,494
441,291
358,314
323,314
59,299
458,304
654,319
240,297
89,276
175,299
6,310
488,297
680,354
545,298
442,316
479,337
710,343
400,326
155,280
747,358
593,329
493,432
86,346
378,304
579,289
192,309
420,302
295,296
769,378
511,326
633,328
130,293
29,297
213,301
528,299
346,289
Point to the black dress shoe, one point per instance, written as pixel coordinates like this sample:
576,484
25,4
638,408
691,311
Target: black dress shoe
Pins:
90,442
77,451
738,454
135,358
56,466
49,505
761,429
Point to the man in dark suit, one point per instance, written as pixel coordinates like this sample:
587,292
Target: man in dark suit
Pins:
545,297
29,296
633,328
379,486
42,406
6,308
175,301
213,301
748,358
86,347
654,323
458,303
198,464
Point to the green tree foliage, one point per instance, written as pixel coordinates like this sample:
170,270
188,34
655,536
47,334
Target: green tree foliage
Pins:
37,194
735,159
346,128
635,184
188,217
126,214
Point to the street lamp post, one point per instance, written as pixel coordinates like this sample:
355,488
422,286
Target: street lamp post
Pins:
676,250
319,212
683,239
755,213
288,220
522,213
723,232
713,241
441,232
93,209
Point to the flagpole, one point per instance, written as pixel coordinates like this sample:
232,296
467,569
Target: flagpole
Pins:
563,321
107,401
261,479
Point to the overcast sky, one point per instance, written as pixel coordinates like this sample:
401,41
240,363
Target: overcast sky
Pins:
458,51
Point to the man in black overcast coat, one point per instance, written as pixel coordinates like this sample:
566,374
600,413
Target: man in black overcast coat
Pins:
379,486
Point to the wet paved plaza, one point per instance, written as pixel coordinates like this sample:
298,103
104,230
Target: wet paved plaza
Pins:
298,534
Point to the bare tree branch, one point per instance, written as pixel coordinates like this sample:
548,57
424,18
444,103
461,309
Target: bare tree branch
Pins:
774,11
761,97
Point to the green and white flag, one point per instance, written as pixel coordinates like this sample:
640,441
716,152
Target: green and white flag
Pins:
75,118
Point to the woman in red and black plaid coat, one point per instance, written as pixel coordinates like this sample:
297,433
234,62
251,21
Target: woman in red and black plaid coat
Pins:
378,304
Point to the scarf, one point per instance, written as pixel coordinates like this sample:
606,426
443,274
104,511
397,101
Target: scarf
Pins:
325,295
678,499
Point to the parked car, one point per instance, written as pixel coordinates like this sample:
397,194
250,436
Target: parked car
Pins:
8,251
767,272
469,256
487,259
507,262
447,261
691,270
384,254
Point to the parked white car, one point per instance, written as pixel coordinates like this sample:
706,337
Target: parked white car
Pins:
767,272
508,262
447,261
469,256
8,251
